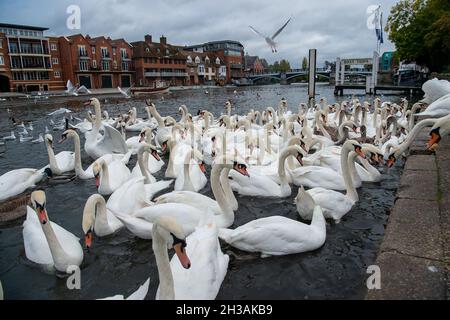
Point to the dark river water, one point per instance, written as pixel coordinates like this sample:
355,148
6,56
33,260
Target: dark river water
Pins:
120,263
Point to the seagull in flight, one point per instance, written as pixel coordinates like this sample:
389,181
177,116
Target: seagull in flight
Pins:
125,93
271,40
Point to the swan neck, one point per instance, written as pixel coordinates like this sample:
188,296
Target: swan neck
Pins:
166,284
351,191
227,212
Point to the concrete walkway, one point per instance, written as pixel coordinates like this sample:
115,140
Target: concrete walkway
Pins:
414,255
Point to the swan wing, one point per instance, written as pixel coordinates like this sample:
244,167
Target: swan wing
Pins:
193,199
112,140
141,292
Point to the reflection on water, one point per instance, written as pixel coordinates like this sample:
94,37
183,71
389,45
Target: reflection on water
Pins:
120,263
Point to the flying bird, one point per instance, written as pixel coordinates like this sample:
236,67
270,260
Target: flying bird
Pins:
271,40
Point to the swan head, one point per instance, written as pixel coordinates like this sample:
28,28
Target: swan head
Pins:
92,102
96,169
172,232
38,201
241,167
353,144
67,134
151,149
199,157
440,129
49,140
89,215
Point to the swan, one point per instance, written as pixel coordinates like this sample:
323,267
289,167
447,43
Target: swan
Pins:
17,181
335,204
278,235
435,89
439,108
141,168
139,294
97,219
111,141
192,178
40,139
264,186
110,176
46,243
154,164
201,266
88,173
189,207
62,162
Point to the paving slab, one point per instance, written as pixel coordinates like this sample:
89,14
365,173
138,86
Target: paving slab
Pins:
409,278
421,162
414,229
419,185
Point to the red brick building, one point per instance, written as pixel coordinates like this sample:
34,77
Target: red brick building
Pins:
29,61
253,65
158,61
96,62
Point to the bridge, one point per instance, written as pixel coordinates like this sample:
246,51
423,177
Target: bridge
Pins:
285,76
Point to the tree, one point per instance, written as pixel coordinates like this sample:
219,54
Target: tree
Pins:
420,30
331,65
280,66
305,63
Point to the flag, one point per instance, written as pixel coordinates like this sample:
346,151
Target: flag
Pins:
381,28
377,20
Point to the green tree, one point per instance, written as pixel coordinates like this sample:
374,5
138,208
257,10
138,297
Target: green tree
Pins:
305,63
420,30
285,66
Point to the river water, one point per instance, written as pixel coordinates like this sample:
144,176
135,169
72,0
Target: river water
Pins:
120,263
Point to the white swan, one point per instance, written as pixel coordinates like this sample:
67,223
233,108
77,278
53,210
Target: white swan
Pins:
111,141
192,178
201,268
10,137
97,219
263,186
335,204
17,181
62,162
277,235
110,176
435,89
88,173
46,243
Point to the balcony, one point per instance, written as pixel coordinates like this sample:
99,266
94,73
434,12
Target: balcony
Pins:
152,74
106,56
174,74
126,58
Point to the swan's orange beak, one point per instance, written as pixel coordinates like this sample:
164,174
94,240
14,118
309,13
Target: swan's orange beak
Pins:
435,137
182,256
242,169
87,103
156,155
360,153
391,161
202,167
88,239
97,181
42,214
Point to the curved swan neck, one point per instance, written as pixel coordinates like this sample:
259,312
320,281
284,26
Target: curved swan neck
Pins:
351,191
78,168
414,132
166,285
51,158
57,251
143,167
187,168
227,212
104,175
98,116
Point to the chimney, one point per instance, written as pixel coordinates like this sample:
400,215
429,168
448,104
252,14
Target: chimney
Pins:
148,39
163,40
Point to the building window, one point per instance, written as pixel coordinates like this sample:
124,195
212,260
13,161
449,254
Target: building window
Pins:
57,74
114,51
53,47
55,61
217,60
105,65
105,53
197,59
125,66
84,66
82,51
189,59
94,64
2,61
123,53
1,43
115,64
93,50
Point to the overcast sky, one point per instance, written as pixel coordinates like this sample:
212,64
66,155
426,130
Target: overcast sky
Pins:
336,28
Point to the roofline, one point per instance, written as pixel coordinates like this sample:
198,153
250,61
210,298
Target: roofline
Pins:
214,42
21,26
